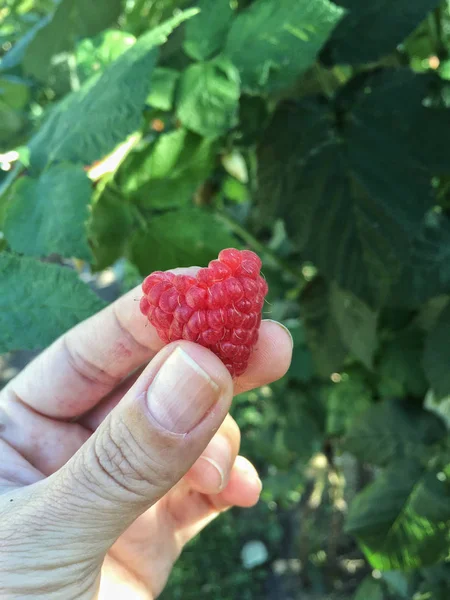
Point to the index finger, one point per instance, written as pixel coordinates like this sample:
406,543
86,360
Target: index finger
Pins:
90,360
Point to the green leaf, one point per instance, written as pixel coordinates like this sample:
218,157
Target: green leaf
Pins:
430,312
302,367
371,29
357,324
394,429
439,407
71,19
397,583
402,519
5,198
158,159
170,173
354,187
162,162
90,123
301,432
162,93
304,175
235,191
436,584
180,238
11,123
400,371
207,32
48,215
91,18
322,331
437,355
427,272
14,92
383,93
39,302
208,97
254,117
370,589
55,37
347,400
110,227
274,41
93,55
16,55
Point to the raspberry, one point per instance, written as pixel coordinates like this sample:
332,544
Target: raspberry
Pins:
220,308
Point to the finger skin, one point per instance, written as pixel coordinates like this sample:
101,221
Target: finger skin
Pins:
190,513
45,443
270,360
89,361
268,363
48,444
179,517
132,460
211,472
243,489
93,418
76,372
86,374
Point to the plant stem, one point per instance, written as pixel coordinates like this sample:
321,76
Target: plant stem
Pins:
73,75
340,75
10,178
137,9
435,26
324,84
251,241
140,217
133,17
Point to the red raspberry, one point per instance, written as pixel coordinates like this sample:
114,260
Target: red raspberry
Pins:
220,308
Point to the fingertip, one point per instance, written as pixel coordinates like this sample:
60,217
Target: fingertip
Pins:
275,347
127,314
246,473
244,486
211,472
283,328
271,358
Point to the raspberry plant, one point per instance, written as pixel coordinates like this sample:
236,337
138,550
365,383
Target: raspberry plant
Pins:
142,135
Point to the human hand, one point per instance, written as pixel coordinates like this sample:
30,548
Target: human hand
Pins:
108,468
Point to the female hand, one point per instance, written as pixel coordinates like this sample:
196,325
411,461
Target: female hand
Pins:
108,468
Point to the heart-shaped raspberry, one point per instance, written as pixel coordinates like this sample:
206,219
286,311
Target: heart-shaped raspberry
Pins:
220,308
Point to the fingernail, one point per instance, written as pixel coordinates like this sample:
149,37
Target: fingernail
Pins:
213,468
181,394
282,327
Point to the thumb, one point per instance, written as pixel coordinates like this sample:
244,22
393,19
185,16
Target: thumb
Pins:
144,446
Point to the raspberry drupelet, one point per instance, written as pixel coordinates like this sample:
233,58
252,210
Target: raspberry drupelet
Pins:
220,308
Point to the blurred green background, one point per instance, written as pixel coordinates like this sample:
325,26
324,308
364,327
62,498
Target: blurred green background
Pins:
138,135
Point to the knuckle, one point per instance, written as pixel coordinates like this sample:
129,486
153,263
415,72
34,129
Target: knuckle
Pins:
85,369
125,464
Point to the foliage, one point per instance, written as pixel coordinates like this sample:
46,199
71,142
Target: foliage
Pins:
141,135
